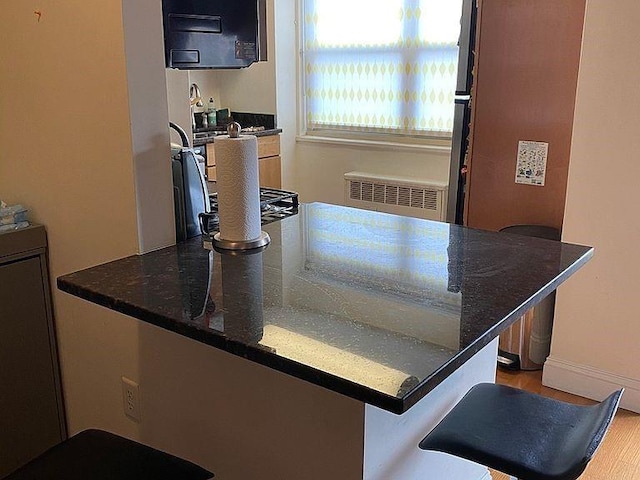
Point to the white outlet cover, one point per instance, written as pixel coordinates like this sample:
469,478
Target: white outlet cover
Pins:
531,166
131,399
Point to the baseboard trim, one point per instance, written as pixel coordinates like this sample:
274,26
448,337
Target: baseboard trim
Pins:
590,382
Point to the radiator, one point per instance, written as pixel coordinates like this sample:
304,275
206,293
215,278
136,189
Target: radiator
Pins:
399,195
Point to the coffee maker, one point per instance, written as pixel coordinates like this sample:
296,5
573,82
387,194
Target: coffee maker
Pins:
190,192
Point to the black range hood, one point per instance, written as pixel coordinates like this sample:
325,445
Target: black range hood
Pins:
205,34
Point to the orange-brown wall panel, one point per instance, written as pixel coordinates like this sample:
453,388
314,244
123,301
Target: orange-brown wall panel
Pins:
528,55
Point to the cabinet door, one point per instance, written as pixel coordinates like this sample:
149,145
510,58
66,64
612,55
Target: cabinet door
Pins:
211,163
29,416
269,172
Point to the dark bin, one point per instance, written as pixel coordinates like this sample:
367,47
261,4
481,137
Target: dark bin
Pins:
525,345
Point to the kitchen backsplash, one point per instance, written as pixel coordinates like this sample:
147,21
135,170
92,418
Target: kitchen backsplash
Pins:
255,119
266,120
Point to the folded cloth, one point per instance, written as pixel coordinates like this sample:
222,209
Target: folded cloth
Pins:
11,209
12,217
13,226
15,218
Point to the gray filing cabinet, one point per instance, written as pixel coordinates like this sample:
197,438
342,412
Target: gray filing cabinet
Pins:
31,408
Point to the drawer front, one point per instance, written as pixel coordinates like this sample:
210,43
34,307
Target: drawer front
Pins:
269,146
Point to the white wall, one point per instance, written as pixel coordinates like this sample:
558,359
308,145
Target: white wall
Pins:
596,339
286,88
320,167
178,101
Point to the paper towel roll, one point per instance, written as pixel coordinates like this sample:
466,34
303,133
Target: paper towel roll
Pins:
238,187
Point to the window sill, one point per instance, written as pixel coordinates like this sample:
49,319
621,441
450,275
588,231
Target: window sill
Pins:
442,148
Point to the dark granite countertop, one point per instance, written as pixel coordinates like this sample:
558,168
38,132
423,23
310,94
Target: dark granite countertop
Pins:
378,307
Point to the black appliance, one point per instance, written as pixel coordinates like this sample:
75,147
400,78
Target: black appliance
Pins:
462,113
190,192
201,34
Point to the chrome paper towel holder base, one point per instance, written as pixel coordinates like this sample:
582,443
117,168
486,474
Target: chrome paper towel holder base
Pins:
261,241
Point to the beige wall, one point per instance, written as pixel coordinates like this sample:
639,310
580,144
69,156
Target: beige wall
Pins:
596,340
84,129
67,155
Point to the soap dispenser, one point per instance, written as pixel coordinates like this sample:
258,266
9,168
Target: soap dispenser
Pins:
211,113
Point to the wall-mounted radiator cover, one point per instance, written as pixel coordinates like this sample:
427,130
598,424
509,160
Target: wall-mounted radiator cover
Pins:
400,195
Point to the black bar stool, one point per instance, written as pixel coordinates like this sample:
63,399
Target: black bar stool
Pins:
522,434
99,455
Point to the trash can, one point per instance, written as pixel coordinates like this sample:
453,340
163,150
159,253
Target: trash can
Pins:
526,343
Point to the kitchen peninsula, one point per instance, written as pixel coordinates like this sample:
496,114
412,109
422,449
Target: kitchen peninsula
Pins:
397,314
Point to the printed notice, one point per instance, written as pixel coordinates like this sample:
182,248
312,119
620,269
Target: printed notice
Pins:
531,166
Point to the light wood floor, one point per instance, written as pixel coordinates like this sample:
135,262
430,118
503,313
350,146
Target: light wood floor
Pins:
619,455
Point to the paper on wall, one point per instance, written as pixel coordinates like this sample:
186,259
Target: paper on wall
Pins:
531,166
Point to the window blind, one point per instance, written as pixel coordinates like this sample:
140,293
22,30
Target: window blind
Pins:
384,66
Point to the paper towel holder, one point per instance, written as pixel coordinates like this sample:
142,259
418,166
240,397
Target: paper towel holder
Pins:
233,130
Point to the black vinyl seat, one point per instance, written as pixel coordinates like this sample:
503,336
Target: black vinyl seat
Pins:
100,455
522,434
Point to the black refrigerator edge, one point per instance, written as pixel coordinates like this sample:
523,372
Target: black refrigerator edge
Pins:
462,113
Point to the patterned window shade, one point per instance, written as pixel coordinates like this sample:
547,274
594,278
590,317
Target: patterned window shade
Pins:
381,65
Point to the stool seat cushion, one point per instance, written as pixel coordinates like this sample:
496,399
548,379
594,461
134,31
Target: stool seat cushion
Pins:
100,455
523,434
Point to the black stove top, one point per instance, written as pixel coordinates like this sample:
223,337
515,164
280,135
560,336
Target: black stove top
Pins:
274,205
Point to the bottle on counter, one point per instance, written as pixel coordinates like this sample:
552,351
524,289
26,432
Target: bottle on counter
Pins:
211,113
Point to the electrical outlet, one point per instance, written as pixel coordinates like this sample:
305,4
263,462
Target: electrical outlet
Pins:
131,398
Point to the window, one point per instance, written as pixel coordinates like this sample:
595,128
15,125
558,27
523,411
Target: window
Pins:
380,66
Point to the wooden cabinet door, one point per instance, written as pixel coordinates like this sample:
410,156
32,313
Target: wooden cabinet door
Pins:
211,163
269,172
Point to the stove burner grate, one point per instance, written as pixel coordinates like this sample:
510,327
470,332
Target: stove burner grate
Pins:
274,205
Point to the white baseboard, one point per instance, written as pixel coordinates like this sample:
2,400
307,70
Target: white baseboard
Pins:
590,382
